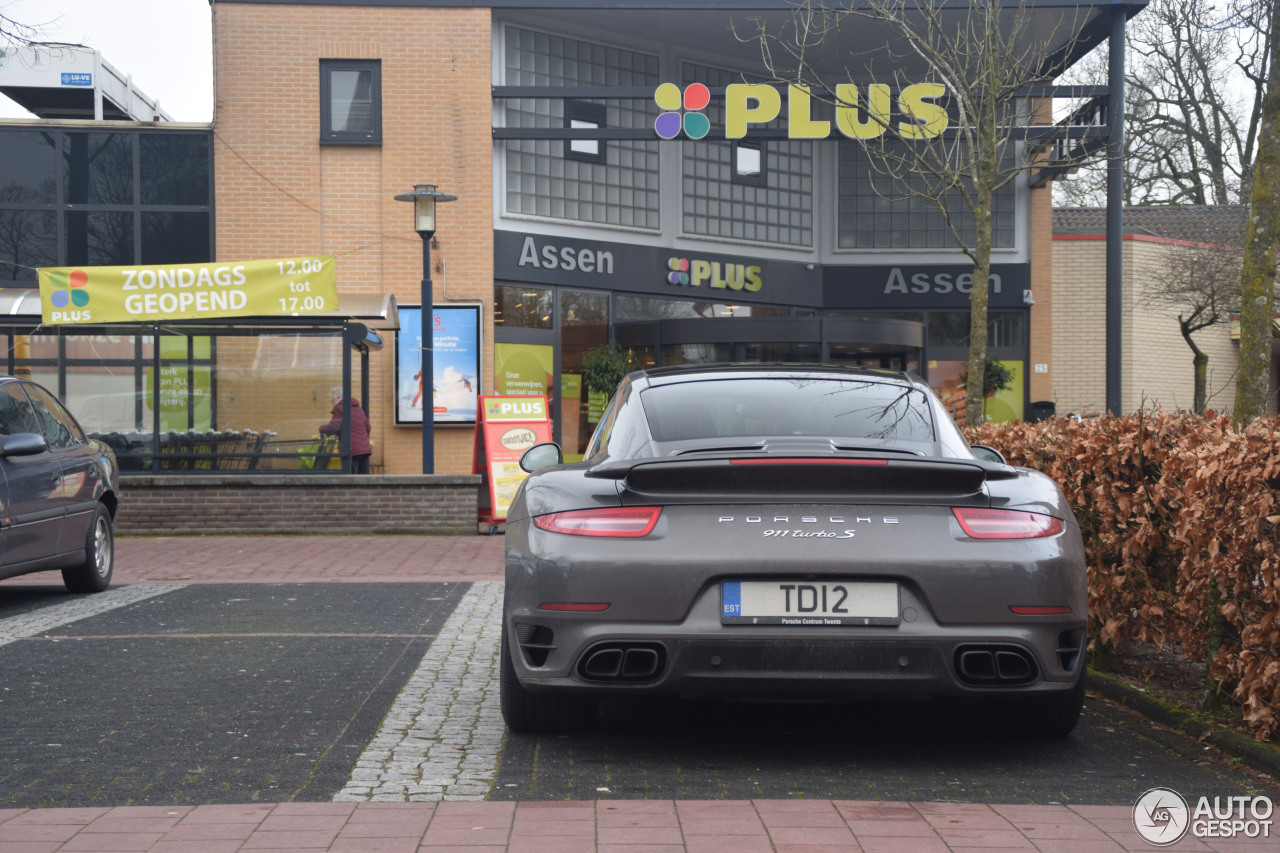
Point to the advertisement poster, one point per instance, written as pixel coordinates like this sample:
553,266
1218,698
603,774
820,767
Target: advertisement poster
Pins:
508,426
455,387
523,368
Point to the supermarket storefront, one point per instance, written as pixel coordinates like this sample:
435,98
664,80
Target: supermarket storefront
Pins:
557,298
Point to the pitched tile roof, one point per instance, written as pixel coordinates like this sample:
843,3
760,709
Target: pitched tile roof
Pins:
1221,224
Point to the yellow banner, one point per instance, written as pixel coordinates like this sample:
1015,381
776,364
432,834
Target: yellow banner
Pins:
70,295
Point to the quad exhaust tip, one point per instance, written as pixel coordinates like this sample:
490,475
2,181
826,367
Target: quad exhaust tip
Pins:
635,663
988,665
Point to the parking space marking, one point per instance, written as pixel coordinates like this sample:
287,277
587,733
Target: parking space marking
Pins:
442,737
46,619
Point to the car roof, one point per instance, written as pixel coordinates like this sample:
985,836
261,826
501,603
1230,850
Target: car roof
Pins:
694,372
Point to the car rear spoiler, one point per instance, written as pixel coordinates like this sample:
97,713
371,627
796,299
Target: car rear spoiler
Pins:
773,478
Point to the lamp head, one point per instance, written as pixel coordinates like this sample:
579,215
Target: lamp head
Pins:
424,198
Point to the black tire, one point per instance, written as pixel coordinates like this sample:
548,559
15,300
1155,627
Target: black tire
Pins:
540,713
94,574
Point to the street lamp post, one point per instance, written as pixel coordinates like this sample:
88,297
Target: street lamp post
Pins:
424,198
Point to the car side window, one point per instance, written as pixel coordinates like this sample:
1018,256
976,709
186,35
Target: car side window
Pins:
59,428
599,445
15,412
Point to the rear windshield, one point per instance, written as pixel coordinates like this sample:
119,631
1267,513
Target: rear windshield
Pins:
725,408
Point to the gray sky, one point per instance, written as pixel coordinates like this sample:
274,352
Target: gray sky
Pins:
166,45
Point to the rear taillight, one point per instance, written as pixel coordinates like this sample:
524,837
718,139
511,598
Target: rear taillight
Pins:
981,523
616,522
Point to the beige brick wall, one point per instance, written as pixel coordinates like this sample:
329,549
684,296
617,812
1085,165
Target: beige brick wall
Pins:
280,193
1156,366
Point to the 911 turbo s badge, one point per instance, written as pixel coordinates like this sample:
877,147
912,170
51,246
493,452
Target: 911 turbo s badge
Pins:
769,529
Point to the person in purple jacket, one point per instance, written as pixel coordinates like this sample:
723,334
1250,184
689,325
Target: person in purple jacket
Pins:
360,447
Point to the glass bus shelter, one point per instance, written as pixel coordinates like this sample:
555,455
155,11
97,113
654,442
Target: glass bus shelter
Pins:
245,394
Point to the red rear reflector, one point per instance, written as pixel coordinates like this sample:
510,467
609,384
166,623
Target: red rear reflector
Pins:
980,523
808,461
573,606
1055,610
619,522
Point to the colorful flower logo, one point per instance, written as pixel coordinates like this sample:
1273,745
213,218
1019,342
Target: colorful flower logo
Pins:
669,98
70,291
679,270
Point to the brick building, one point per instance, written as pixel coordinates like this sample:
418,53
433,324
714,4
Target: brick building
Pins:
578,219
1168,251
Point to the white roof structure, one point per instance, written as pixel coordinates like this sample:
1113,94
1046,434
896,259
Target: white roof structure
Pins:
70,81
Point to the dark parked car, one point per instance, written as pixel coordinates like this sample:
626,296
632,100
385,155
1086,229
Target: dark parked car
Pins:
788,533
59,490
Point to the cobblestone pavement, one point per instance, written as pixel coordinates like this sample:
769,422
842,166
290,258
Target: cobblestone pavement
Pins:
442,740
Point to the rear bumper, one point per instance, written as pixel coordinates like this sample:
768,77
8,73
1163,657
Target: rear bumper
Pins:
579,653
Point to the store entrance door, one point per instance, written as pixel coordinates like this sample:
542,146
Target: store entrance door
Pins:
541,338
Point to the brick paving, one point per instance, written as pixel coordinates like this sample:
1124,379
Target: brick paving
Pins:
606,826
616,826
305,559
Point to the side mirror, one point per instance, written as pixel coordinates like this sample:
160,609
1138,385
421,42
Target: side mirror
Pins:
23,444
987,454
541,456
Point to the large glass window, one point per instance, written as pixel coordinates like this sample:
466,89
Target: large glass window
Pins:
614,184
876,211
73,197
99,238
351,101
28,167
28,240
98,168
754,190
523,306
168,175
951,329
172,237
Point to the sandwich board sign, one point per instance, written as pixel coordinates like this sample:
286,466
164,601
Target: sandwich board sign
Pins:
506,426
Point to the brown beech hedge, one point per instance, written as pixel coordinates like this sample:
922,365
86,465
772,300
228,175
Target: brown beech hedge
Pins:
1181,526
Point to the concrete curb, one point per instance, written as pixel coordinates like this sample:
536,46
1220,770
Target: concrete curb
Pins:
1254,753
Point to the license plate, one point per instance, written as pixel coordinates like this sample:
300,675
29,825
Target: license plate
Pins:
790,602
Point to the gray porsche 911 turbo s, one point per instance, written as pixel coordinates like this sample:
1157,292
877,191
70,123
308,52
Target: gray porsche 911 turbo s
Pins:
787,533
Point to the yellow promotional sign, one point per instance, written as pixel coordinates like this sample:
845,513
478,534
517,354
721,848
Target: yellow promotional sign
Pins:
70,295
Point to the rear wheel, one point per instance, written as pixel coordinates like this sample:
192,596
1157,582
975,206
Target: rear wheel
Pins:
94,574
539,713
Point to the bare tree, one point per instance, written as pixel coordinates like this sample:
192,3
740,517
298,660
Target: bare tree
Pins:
1258,276
14,32
982,59
1087,186
1200,280
1194,86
